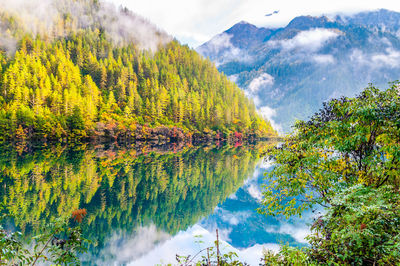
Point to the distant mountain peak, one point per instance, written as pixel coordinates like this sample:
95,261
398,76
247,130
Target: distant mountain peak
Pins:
306,22
289,71
381,18
244,22
242,26
243,33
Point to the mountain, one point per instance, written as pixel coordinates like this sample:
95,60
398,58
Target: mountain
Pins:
384,19
83,69
290,71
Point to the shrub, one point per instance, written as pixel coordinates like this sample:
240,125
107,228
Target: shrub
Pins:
287,256
361,228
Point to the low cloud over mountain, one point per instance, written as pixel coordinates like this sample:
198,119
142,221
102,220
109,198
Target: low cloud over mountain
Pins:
56,18
290,71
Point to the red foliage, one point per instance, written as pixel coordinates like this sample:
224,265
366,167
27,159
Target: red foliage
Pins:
238,144
78,215
238,135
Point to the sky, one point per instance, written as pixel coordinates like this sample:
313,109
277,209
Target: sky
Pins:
194,22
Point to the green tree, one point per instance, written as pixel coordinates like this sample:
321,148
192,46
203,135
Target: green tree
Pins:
349,141
361,228
75,120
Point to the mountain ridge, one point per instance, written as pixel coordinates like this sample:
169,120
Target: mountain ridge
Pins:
297,67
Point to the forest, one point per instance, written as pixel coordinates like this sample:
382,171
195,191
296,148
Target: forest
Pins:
84,85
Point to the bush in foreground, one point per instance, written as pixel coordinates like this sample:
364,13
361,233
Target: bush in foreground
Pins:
361,228
59,243
345,158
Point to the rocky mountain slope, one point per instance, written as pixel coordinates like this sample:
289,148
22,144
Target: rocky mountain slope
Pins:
290,71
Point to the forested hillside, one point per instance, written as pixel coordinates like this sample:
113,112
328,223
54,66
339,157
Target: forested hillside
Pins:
83,83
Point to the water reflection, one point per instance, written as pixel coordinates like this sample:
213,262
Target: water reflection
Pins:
137,198
241,228
184,243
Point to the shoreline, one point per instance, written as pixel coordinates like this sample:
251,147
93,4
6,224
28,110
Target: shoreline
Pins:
153,136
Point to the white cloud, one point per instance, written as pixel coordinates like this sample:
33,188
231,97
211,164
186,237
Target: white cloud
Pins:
222,46
42,16
269,113
196,21
391,58
184,244
266,163
252,255
222,42
231,217
121,248
297,231
383,40
8,43
32,12
255,98
310,40
262,81
296,227
358,56
255,192
324,59
233,78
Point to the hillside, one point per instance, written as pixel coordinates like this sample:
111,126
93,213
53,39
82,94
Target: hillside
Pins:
97,72
290,71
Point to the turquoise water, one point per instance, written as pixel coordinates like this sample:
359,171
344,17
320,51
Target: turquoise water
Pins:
146,205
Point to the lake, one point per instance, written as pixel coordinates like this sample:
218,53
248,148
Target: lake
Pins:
145,205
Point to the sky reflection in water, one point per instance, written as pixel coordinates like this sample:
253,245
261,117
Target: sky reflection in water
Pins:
241,230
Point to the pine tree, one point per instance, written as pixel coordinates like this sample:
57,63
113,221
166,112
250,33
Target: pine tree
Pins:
55,84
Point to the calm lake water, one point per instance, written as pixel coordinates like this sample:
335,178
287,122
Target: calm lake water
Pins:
147,205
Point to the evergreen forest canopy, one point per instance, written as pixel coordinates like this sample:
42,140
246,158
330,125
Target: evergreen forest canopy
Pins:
80,82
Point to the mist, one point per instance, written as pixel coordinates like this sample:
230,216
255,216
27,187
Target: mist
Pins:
58,18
